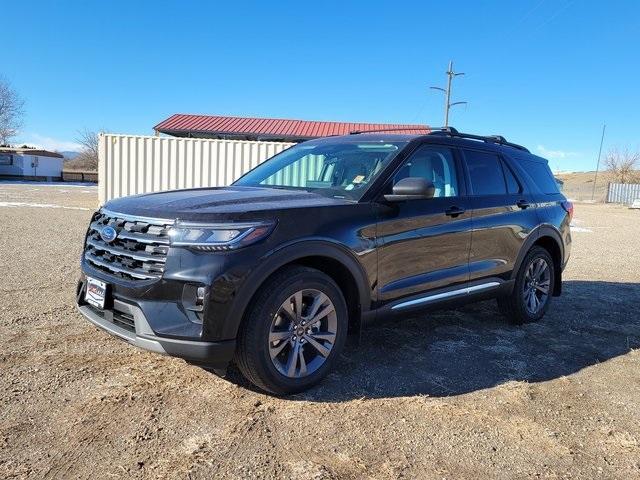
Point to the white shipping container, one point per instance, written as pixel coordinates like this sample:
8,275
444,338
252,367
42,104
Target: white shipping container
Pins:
133,164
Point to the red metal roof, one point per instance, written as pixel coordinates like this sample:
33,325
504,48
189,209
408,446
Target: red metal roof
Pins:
270,128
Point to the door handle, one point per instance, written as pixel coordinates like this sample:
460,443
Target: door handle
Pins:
454,211
523,204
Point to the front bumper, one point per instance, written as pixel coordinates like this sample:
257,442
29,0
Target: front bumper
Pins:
128,322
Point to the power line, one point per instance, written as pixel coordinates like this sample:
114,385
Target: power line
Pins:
552,17
451,74
595,179
528,14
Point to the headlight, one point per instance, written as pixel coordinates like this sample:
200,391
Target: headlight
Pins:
218,237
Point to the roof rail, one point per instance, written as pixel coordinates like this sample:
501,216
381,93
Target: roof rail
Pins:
499,139
451,132
391,129
446,130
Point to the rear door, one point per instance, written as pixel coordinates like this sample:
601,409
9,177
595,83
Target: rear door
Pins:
424,244
502,211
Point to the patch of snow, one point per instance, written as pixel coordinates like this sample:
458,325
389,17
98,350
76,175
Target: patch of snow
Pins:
575,228
40,205
50,184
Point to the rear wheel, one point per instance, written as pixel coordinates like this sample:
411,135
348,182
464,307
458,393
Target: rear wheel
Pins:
532,292
294,332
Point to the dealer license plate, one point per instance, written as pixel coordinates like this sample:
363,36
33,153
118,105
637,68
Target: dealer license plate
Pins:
96,292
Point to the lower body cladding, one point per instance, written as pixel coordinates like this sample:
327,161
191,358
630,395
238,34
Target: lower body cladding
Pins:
125,319
443,298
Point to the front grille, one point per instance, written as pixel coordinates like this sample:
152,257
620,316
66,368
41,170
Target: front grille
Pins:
121,319
139,251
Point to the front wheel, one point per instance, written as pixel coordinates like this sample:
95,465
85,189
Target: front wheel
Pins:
294,331
532,292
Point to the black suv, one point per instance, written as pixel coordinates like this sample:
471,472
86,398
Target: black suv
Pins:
278,268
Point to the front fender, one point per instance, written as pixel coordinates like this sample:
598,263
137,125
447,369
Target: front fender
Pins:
227,327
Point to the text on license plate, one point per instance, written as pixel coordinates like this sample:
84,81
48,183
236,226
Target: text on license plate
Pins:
96,292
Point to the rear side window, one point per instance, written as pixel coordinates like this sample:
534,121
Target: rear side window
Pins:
485,171
542,176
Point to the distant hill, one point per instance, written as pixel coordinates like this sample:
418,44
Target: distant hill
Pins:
579,185
69,155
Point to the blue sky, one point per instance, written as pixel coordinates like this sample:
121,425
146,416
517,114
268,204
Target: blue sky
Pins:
545,73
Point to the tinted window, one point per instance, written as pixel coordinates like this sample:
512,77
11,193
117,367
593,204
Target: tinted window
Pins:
512,183
435,164
485,172
542,176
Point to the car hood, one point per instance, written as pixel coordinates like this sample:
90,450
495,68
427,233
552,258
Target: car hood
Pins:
224,203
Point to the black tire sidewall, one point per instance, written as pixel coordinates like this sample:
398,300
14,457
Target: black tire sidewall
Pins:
534,253
262,316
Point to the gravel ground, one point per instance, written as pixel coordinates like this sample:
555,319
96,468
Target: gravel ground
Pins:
455,394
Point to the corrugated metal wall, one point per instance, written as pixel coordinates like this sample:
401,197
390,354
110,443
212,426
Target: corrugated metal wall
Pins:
132,164
623,192
298,173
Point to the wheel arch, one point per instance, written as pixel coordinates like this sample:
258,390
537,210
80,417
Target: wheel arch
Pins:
549,238
332,259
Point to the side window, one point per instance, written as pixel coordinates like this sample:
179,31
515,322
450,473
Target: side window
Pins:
542,176
513,186
437,165
485,173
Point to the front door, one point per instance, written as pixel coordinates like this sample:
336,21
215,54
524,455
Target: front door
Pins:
424,244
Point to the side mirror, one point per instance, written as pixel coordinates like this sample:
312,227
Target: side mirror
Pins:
411,188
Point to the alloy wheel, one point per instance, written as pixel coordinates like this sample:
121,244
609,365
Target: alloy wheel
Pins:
537,282
302,333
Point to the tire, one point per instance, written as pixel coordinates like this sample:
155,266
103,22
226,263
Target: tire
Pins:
274,314
517,306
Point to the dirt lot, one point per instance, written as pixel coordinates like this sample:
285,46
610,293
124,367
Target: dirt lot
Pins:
456,394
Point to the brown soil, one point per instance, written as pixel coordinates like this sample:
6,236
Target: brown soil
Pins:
455,394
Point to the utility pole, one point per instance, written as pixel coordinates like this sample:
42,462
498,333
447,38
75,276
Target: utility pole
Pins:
593,193
447,93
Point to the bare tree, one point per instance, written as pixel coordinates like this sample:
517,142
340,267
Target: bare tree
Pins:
11,111
88,157
623,165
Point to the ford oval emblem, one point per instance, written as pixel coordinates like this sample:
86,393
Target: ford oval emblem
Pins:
108,234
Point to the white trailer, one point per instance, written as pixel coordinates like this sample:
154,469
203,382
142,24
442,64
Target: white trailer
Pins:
30,164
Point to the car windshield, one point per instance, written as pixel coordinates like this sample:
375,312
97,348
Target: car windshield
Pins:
342,169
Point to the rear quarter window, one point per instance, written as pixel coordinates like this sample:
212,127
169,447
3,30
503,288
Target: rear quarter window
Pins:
541,174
